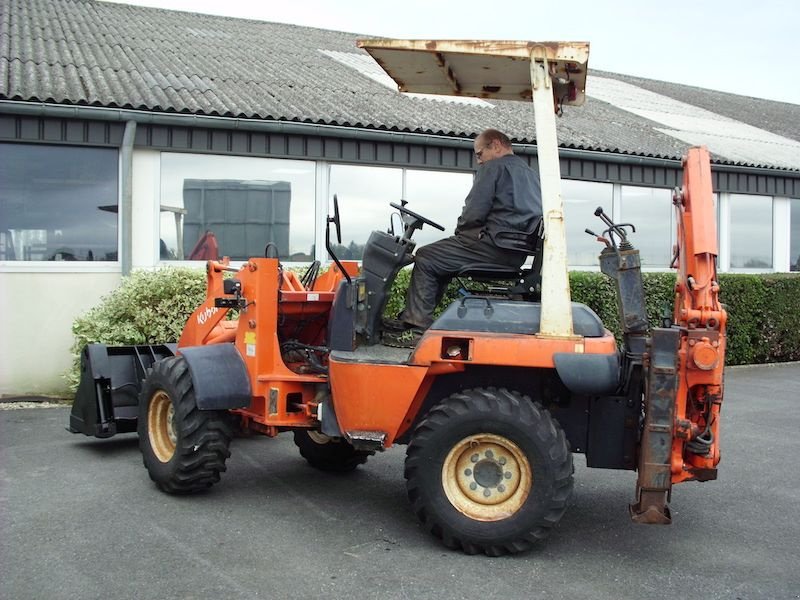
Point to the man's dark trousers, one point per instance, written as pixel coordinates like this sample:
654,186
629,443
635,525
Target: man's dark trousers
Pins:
435,265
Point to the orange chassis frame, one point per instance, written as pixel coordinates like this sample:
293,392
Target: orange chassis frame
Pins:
365,396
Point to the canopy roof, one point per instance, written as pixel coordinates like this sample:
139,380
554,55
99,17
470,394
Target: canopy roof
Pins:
480,68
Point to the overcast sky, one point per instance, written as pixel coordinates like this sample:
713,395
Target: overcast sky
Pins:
740,46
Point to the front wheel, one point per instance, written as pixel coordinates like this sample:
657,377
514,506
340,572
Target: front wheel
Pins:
183,447
489,471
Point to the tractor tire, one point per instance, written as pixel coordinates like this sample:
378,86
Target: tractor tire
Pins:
327,453
183,448
488,470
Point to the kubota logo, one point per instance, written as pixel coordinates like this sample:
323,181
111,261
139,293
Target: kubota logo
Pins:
206,315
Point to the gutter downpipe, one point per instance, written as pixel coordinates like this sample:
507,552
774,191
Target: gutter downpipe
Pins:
126,209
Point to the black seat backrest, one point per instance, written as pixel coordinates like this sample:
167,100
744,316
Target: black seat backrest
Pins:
528,242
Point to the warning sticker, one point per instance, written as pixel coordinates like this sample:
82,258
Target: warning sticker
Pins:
250,343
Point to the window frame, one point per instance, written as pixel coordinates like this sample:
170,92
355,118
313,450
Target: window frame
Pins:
68,266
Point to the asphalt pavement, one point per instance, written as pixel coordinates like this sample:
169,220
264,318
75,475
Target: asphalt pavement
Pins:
79,518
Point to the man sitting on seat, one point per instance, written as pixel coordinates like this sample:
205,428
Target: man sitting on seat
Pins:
505,195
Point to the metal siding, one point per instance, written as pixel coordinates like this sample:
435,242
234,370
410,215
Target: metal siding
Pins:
53,130
96,133
416,156
220,141
28,129
384,152
448,158
180,138
401,153
296,147
349,150
160,136
259,143
276,144
314,147
75,132
8,127
331,148
240,142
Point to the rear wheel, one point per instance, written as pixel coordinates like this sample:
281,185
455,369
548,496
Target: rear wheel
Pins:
489,471
327,453
183,448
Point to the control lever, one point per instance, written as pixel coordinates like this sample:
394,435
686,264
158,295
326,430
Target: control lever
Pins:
599,238
614,230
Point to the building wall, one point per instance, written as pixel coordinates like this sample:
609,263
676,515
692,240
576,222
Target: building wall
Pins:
39,300
38,309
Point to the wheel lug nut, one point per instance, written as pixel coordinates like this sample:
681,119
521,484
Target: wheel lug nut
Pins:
489,454
501,488
473,486
502,460
467,472
487,492
474,458
507,474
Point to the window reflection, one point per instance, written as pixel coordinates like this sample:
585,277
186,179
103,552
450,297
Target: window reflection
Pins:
214,206
581,198
438,196
58,203
751,231
650,210
364,194
794,235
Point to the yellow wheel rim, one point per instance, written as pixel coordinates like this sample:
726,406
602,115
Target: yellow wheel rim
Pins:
161,426
487,477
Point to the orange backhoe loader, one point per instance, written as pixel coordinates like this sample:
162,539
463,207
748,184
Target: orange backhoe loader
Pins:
498,394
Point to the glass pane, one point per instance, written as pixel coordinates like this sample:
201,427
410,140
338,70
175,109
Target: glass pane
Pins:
364,195
58,203
651,212
794,235
214,206
751,232
439,196
581,198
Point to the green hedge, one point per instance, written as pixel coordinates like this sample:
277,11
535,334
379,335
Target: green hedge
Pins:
152,306
149,307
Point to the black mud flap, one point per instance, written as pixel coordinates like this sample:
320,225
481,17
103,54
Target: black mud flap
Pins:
107,400
219,376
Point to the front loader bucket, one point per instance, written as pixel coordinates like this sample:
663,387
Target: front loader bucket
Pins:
107,400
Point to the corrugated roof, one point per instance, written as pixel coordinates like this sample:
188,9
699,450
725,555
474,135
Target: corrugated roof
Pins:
116,55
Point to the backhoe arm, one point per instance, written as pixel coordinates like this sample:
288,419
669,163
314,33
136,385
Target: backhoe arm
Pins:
683,394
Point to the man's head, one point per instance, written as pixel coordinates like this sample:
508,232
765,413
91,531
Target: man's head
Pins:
491,144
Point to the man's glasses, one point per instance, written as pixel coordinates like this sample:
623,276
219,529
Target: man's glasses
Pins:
479,153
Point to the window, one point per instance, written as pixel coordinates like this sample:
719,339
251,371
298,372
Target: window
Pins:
438,196
58,203
581,198
794,235
650,210
214,206
751,232
364,194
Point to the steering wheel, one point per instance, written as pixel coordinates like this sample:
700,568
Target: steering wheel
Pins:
335,220
414,215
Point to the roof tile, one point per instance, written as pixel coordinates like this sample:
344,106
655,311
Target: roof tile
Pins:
89,52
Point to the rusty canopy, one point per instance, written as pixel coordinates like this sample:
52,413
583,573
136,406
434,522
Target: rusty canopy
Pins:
480,68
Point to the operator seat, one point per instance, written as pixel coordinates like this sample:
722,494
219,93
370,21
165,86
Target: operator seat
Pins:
528,281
